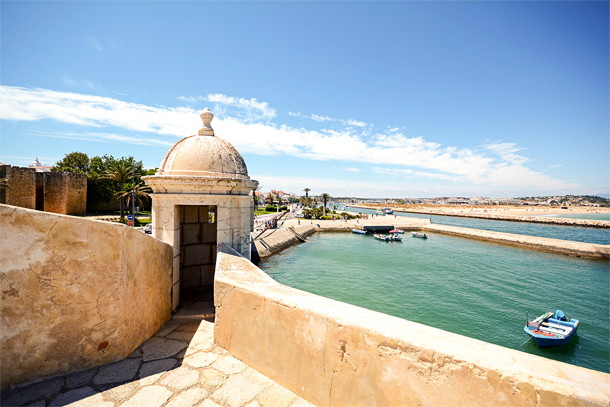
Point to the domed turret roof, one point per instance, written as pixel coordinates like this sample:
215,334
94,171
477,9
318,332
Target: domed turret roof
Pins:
204,155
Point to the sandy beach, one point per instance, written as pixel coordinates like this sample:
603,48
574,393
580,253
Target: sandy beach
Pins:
512,210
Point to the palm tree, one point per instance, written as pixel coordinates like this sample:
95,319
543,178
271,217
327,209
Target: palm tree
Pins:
325,198
254,197
120,171
307,192
140,191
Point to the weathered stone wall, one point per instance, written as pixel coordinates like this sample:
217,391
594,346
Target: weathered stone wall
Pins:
22,183
58,192
276,240
336,354
65,193
76,293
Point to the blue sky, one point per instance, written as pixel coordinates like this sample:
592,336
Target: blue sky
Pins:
369,99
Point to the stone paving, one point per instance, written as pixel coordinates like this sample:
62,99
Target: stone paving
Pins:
178,367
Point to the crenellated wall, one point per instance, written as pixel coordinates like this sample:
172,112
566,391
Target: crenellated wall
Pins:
65,192
76,293
22,186
58,192
336,354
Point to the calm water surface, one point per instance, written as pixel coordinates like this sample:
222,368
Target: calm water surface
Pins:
472,288
574,233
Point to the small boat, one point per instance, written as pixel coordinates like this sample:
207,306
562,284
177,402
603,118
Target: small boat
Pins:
388,238
419,234
552,329
385,211
385,238
360,232
394,231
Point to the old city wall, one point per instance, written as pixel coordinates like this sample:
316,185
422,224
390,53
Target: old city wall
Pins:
22,183
65,193
58,192
76,293
336,354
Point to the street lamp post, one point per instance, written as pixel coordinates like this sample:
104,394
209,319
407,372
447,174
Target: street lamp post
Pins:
133,194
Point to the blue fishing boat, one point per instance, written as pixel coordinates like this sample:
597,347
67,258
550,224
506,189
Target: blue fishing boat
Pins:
360,232
552,329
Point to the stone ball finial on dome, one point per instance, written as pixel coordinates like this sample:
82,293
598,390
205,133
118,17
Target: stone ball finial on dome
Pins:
207,117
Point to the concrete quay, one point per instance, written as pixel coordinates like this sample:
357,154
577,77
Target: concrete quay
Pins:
179,366
297,230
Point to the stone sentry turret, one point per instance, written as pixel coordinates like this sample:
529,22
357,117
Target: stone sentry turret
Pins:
200,200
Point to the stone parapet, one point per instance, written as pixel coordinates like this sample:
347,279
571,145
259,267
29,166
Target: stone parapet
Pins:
336,354
577,249
76,293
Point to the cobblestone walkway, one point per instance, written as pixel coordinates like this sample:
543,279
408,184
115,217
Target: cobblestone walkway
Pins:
178,366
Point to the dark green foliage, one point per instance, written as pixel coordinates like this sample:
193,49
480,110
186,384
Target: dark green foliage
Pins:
105,175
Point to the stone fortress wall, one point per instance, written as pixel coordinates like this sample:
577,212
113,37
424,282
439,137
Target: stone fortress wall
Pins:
76,293
22,183
58,192
336,354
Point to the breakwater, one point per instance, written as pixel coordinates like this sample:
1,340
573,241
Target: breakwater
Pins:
577,249
604,224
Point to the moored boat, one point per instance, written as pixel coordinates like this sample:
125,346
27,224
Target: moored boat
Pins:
388,238
394,231
358,231
419,234
552,329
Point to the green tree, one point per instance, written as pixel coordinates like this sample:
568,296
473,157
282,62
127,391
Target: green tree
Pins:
73,162
307,192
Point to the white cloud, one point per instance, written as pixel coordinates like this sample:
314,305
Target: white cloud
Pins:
37,104
253,107
242,125
322,118
92,43
108,138
352,122
352,169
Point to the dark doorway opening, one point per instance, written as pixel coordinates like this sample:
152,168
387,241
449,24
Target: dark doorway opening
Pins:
198,240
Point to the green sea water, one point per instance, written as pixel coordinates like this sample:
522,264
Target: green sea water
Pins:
465,286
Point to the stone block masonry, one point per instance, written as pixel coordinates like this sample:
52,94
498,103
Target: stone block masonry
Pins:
65,193
76,293
22,186
58,192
